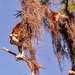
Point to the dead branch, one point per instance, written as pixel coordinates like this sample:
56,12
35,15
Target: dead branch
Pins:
8,51
34,65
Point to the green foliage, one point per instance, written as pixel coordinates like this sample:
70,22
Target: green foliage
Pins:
63,1
18,14
44,2
70,8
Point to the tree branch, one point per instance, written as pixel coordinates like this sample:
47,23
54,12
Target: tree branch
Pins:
24,58
66,8
8,51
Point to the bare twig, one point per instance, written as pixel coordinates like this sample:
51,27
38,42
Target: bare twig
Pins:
50,45
8,51
46,44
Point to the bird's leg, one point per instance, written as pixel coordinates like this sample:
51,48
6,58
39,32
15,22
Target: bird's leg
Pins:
24,49
20,51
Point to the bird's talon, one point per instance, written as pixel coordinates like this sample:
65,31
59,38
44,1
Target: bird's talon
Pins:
22,56
18,56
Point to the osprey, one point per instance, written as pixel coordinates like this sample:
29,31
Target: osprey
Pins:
18,38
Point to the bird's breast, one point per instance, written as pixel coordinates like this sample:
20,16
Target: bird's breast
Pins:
16,41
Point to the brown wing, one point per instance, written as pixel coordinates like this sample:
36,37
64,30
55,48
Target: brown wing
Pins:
23,34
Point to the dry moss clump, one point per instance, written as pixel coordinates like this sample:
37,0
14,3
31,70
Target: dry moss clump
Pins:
36,18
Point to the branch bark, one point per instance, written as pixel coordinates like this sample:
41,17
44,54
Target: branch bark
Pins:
32,64
8,51
66,8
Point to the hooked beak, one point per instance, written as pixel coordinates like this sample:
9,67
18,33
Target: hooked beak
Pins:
10,38
11,42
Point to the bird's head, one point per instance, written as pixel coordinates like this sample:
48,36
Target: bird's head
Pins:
13,38
13,35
